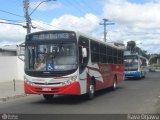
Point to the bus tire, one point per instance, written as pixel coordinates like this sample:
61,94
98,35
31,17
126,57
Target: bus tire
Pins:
144,75
114,84
140,77
48,97
91,92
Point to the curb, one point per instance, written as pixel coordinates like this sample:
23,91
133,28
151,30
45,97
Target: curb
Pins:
11,97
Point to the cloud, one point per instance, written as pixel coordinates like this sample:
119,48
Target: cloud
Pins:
45,6
41,25
144,16
87,24
11,34
134,21
15,34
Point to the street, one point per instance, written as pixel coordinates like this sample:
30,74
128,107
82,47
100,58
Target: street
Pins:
131,96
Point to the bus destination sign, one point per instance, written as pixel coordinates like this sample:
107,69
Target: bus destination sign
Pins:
51,36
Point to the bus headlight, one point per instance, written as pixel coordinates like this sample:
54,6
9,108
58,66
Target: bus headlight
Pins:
27,81
72,79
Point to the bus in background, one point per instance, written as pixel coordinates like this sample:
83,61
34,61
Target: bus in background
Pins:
135,65
61,62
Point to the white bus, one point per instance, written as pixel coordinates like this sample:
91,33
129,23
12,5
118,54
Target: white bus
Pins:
135,66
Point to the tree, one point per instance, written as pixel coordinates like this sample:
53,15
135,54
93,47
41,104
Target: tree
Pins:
131,45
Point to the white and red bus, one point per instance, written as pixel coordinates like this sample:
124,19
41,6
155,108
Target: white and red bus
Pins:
61,62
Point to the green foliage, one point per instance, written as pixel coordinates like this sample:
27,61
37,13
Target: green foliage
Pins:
131,46
157,65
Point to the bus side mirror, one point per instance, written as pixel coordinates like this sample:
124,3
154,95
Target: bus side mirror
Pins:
84,52
21,51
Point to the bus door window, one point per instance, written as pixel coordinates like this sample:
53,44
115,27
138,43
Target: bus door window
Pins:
83,61
31,54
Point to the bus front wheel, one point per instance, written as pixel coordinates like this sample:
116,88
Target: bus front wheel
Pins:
140,76
48,97
91,92
114,85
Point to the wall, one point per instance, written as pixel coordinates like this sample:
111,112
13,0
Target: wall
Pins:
11,67
7,53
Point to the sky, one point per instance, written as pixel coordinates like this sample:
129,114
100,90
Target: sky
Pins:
137,20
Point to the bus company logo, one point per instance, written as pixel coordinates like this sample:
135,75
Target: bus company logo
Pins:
104,69
46,83
4,116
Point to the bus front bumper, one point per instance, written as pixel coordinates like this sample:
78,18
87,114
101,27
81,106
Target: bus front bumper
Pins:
72,89
131,74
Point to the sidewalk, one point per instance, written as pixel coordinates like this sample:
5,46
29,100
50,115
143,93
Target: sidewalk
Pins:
8,91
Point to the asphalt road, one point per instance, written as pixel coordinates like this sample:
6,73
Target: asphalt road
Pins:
131,96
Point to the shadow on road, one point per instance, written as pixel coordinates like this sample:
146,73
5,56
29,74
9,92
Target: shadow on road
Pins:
59,99
106,91
134,79
73,100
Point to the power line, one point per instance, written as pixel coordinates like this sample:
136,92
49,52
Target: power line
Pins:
88,6
39,27
12,23
51,25
11,13
76,6
46,24
27,15
79,6
10,20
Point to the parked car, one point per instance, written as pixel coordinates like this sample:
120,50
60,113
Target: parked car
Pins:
152,68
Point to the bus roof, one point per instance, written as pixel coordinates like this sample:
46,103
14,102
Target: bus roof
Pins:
129,53
97,40
78,33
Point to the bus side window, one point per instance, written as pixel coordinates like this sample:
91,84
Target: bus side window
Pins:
95,52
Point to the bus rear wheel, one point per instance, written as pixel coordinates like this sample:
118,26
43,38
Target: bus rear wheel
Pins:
48,97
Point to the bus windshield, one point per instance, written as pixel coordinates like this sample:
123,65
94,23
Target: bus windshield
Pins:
131,63
51,57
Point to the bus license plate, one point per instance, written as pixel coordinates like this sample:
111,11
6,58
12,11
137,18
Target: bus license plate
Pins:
46,89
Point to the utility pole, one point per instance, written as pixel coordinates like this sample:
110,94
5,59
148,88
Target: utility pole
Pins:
105,24
27,17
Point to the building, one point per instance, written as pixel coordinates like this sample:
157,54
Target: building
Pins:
8,50
11,67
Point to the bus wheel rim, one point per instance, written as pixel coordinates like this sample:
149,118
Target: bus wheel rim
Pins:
91,88
114,84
